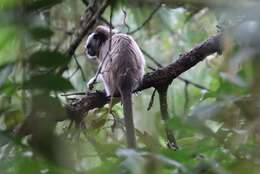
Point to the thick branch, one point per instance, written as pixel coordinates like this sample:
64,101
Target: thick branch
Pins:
155,79
165,117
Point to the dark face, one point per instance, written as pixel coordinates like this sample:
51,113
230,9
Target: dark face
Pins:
93,44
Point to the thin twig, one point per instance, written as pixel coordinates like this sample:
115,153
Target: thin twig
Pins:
102,18
186,97
151,58
80,68
147,20
124,22
75,93
106,22
151,68
151,100
193,84
72,74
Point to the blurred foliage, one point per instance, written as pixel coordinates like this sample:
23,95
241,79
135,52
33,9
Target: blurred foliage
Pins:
217,128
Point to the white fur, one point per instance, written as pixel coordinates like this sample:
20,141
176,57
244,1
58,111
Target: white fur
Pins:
107,89
90,82
85,46
99,79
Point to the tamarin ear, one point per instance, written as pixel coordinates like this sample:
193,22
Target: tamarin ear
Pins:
101,29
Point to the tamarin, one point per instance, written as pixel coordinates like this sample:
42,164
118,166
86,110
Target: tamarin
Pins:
121,64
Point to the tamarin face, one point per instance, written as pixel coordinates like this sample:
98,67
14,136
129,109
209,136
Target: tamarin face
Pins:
93,44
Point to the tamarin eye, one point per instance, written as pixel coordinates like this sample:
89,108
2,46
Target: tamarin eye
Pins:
95,36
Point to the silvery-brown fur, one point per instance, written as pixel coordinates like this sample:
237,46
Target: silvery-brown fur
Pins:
122,69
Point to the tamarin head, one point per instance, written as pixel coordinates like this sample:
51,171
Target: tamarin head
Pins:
95,40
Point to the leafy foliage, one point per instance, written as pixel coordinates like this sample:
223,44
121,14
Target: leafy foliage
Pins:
216,125
48,59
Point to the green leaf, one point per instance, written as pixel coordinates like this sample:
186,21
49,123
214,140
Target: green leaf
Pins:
5,4
49,59
214,126
245,166
8,88
206,109
50,105
9,44
38,33
181,155
188,141
107,167
12,118
98,123
48,82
